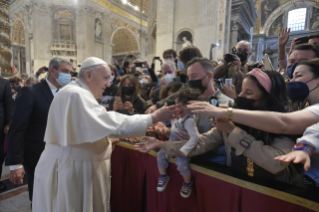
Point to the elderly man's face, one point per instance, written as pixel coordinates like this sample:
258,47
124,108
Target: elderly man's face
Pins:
167,70
99,80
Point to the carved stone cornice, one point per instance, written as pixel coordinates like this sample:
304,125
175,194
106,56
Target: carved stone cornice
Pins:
235,25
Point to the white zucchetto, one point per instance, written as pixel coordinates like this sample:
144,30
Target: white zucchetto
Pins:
92,61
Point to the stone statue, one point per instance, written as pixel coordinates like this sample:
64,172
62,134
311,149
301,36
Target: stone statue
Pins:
98,28
186,43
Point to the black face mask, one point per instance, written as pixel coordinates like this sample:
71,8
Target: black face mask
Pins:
242,56
128,90
245,104
197,84
16,88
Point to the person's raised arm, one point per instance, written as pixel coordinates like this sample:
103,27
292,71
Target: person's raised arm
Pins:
283,38
219,70
294,123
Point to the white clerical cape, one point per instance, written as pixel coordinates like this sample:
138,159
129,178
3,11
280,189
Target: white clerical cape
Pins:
73,173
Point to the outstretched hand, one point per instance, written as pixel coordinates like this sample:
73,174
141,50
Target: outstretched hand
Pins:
165,113
200,107
299,156
150,144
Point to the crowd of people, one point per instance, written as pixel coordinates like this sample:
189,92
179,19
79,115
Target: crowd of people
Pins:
261,123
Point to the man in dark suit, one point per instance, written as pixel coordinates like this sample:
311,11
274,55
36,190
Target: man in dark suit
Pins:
6,105
29,120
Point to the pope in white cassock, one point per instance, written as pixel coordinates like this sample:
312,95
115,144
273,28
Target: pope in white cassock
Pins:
73,173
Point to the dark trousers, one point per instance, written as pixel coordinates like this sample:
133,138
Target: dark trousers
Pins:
2,155
29,170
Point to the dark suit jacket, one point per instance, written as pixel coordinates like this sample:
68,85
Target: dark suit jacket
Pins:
28,123
6,105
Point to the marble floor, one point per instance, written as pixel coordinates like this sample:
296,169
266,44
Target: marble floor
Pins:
15,200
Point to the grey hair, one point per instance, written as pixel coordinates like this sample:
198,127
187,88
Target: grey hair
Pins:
246,43
56,61
170,64
83,70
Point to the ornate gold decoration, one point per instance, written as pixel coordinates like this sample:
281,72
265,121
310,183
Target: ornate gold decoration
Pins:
63,14
5,42
124,42
121,12
18,37
250,168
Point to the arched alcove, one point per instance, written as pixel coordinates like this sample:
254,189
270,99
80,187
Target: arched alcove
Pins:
124,41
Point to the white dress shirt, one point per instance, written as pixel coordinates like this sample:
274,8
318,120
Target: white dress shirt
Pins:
54,90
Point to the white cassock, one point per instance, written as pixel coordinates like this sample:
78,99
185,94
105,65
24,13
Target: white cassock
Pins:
73,173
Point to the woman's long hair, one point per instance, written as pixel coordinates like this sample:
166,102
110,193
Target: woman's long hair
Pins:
277,101
136,86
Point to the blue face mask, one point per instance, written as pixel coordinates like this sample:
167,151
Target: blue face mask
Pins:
63,79
299,91
291,70
181,66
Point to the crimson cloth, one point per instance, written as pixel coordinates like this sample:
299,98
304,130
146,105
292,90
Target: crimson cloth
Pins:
130,168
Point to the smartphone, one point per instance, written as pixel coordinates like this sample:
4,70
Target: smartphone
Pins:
46,69
214,101
157,58
218,82
267,63
302,40
228,82
118,98
138,64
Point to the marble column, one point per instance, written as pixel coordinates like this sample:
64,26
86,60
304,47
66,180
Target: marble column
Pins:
234,34
143,41
258,42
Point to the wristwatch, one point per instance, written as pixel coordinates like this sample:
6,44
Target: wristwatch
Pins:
301,146
230,113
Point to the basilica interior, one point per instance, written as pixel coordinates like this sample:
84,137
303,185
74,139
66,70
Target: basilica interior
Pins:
35,31
77,29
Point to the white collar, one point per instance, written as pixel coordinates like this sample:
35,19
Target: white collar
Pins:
82,85
51,86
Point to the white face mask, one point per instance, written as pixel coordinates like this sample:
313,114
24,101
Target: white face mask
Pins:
144,82
169,78
112,78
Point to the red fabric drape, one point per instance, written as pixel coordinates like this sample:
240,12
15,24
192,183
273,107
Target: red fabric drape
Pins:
131,168
128,173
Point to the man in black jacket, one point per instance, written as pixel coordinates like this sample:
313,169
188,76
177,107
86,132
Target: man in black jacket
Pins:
29,120
6,104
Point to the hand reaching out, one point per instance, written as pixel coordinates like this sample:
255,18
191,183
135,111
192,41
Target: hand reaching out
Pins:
223,124
231,92
150,144
298,156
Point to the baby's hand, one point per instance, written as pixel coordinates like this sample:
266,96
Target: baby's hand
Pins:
182,135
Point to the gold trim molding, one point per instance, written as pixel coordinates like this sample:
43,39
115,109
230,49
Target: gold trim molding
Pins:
121,12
